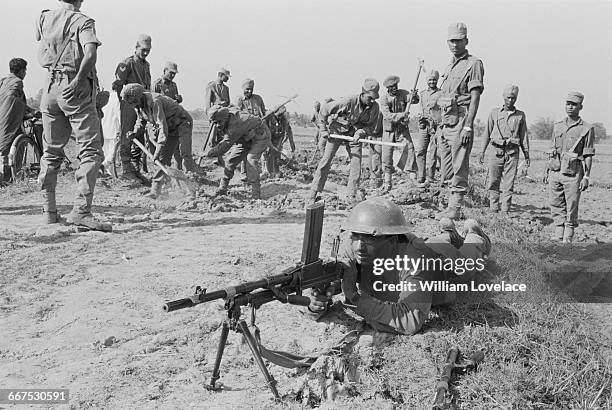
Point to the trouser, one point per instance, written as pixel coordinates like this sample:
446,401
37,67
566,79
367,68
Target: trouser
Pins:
251,151
354,151
375,154
5,170
408,314
387,152
130,153
165,157
61,118
455,157
432,157
503,165
564,195
272,157
183,154
425,162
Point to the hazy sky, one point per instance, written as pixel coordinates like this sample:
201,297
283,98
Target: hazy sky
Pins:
321,48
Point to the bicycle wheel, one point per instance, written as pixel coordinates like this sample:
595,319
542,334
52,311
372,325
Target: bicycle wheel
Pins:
24,158
117,167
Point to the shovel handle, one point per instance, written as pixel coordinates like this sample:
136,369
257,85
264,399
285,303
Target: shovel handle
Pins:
151,156
367,141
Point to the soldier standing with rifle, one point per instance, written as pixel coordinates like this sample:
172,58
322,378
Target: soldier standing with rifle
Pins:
217,93
459,100
395,127
68,50
247,136
354,117
507,132
133,70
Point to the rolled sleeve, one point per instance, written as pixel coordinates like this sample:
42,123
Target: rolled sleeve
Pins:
476,77
87,34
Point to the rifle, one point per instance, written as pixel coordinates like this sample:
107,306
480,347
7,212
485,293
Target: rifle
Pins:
286,287
453,365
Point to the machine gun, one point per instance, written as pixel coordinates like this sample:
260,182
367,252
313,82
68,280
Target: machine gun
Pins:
452,365
286,287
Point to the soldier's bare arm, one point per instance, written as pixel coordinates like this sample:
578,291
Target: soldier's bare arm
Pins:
487,136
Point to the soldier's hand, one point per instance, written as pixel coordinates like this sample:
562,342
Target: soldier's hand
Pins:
481,158
466,136
319,299
324,134
584,184
358,135
75,88
179,98
414,96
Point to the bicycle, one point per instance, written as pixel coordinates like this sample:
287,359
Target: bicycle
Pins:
26,151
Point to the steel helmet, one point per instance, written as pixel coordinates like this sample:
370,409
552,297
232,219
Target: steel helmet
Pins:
377,217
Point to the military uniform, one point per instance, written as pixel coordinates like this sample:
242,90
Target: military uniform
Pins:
253,105
350,117
168,88
426,143
280,130
132,70
217,93
395,129
571,143
169,123
375,154
13,108
76,115
507,131
463,74
247,136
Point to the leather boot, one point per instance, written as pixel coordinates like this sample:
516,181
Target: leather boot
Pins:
256,191
88,221
568,234
448,226
50,215
387,183
453,211
191,166
155,191
223,185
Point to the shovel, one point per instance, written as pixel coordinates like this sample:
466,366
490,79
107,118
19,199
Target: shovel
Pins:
367,141
175,174
401,162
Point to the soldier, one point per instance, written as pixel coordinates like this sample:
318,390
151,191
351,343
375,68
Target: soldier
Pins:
377,229
507,131
169,120
134,69
253,104
68,50
165,85
395,127
280,130
569,167
217,93
429,120
247,136
459,98
13,110
355,117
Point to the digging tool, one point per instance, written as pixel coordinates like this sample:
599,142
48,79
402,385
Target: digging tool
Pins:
367,141
401,162
287,101
175,174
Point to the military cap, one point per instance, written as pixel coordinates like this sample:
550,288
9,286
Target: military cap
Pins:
248,83
575,97
170,66
131,93
144,41
391,81
457,31
371,87
433,74
511,89
225,71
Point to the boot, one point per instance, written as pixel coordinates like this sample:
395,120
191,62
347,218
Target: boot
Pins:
387,183
448,226
568,234
472,226
191,166
453,211
494,201
558,234
88,221
50,215
223,185
256,191
155,191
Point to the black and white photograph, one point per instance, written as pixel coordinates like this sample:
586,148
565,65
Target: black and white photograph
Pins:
306,204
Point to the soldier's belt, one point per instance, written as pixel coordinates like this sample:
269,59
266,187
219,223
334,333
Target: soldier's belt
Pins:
368,141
